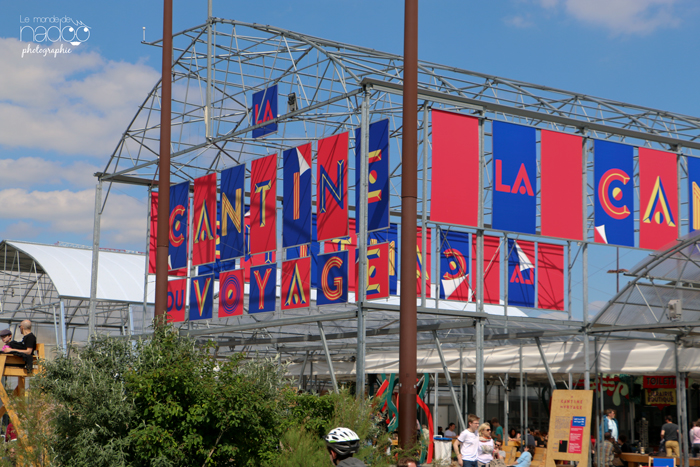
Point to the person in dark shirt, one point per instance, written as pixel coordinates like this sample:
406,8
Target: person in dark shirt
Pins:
622,441
669,433
26,347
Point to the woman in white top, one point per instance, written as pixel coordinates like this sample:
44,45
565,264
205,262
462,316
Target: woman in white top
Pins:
484,453
695,438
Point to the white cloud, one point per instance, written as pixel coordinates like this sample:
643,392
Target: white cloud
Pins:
621,16
34,171
519,22
78,103
71,212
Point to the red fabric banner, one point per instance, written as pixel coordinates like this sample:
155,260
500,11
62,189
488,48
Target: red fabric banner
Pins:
153,241
263,194
204,221
419,261
550,276
561,185
455,174
231,289
253,260
377,271
296,283
492,265
177,300
332,187
342,244
658,199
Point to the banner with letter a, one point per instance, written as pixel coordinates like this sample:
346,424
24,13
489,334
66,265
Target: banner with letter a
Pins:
264,110
561,185
231,293
333,277
296,283
454,266
550,276
614,193
296,202
178,222
332,187
423,271
232,239
263,194
201,297
521,273
377,271
204,240
177,294
514,178
693,194
455,175
378,170
658,198
263,284
492,268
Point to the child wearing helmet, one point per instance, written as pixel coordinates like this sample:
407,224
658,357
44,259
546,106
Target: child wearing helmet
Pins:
342,443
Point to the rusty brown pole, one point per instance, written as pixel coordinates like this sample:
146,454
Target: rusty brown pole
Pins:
409,200
164,168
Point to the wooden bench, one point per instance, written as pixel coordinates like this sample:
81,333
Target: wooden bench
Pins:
539,457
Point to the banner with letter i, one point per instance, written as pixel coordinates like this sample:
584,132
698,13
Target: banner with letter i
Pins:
263,194
378,172
204,240
178,222
296,202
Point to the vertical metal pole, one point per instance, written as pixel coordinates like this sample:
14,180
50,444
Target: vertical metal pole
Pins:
506,410
161,302
435,404
131,320
424,219
680,385
599,408
479,386
409,197
328,356
148,250
303,368
55,326
584,262
523,431
95,259
527,411
63,327
568,282
446,370
361,228
546,365
461,381
210,81
505,285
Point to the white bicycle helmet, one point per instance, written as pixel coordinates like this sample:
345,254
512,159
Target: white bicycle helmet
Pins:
343,441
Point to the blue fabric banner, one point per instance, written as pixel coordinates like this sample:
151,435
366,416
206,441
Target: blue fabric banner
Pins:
178,225
514,178
521,273
313,249
265,109
454,266
201,297
378,170
614,193
296,203
333,277
693,194
231,233
263,286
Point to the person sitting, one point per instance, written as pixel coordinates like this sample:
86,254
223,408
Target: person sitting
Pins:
526,457
513,436
624,447
25,348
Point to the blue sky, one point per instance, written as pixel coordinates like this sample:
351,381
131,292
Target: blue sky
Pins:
61,117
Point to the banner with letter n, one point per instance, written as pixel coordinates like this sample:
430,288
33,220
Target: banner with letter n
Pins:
296,202
232,238
378,174
521,273
658,194
231,289
332,187
178,222
263,284
204,224
454,266
561,185
455,170
492,269
550,276
296,283
177,294
614,193
333,277
263,194
514,178
264,110
201,297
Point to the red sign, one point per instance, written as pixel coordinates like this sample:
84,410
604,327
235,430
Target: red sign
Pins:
660,382
263,194
332,187
204,222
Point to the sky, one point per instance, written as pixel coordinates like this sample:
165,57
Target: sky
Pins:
62,116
